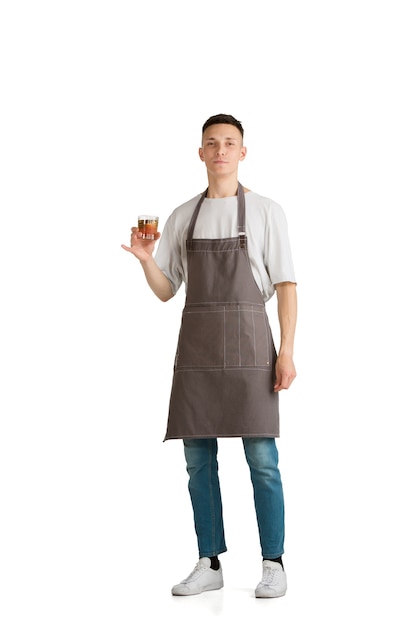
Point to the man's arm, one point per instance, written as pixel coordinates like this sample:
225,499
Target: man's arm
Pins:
142,249
157,280
287,317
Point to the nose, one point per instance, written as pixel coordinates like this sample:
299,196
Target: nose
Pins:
221,150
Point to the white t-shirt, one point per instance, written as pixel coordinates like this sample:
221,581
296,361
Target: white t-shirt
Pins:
266,228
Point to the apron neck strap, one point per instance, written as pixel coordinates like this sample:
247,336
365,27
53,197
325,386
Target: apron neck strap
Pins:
240,210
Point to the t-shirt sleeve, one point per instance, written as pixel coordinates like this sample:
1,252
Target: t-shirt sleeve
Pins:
277,256
168,255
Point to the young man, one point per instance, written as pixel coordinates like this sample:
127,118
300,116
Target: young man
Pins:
230,247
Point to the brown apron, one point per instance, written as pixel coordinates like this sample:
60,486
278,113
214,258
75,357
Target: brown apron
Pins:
225,362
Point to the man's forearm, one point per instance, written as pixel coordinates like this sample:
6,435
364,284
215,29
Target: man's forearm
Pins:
287,316
157,280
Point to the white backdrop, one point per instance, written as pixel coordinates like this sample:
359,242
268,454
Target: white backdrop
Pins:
101,112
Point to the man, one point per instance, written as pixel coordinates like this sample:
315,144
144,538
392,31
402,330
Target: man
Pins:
230,247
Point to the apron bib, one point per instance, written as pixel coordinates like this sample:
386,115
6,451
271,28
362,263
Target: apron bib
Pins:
224,367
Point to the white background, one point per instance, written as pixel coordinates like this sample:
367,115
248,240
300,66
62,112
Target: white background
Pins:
101,111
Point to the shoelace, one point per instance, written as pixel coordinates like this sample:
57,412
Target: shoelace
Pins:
270,576
198,568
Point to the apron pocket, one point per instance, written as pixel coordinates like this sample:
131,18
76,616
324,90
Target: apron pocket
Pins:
248,338
229,336
201,343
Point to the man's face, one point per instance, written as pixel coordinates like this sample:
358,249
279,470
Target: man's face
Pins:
222,149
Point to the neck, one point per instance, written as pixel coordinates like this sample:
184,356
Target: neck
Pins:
222,188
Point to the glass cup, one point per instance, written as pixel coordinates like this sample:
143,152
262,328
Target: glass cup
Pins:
148,226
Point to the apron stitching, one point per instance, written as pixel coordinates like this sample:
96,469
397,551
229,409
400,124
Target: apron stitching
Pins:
259,308
253,338
267,342
208,368
214,252
240,434
224,337
240,355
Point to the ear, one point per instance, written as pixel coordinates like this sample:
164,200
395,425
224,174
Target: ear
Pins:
201,155
243,151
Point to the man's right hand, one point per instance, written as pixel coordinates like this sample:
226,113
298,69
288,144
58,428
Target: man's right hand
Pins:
141,248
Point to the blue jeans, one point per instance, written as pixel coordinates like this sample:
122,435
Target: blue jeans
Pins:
204,487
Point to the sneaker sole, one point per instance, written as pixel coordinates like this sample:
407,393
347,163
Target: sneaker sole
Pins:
278,595
196,593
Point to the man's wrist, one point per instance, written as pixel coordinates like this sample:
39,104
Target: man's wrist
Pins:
286,352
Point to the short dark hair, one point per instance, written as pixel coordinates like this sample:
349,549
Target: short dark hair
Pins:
222,118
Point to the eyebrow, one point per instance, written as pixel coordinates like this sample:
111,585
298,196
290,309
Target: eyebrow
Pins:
214,138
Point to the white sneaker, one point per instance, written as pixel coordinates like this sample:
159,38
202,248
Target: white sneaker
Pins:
274,581
202,578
